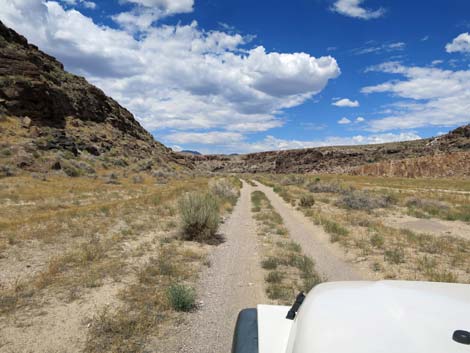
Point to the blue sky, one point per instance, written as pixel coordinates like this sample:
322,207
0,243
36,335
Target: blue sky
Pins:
242,76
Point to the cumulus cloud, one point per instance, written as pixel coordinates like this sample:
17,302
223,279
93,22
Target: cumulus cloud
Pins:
176,76
360,119
87,4
353,8
270,143
345,102
205,138
432,97
344,121
460,44
150,11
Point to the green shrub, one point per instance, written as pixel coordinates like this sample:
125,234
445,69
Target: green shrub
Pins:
256,198
279,292
307,201
291,246
200,216
270,263
274,277
377,240
444,276
336,230
181,297
70,170
395,256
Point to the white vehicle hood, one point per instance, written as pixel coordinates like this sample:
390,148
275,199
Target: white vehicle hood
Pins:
371,317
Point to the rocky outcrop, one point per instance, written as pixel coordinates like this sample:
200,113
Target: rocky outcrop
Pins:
345,159
43,106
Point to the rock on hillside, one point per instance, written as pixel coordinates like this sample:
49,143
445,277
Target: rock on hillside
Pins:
48,115
351,159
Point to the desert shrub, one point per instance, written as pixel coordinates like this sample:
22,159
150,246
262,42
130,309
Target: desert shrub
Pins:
181,297
6,152
336,230
307,201
224,190
423,208
7,171
270,263
395,256
291,246
363,200
256,198
83,167
279,292
69,169
137,179
377,240
113,178
292,180
319,187
274,277
200,216
443,276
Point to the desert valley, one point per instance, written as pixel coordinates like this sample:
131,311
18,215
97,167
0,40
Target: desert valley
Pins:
112,242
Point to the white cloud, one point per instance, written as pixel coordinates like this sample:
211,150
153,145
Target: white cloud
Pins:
437,62
460,44
432,97
344,121
373,47
205,138
270,143
360,119
176,76
169,6
87,4
345,102
150,11
352,8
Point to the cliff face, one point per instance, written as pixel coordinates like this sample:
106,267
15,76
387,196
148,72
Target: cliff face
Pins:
45,109
369,159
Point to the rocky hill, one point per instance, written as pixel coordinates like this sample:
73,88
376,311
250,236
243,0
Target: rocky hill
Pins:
53,120
367,159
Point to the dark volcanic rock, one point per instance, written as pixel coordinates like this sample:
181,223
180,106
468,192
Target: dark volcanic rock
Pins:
35,85
340,159
63,112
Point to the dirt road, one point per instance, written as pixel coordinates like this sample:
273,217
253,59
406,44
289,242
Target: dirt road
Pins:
234,281
314,241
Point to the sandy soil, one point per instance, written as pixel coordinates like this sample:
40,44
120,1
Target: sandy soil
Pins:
329,258
57,326
431,226
234,281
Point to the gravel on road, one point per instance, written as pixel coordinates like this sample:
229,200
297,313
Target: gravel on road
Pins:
234,281
315,243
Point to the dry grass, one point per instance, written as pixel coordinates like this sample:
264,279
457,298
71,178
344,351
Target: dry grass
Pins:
288,270
85,221
161,288
391,253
